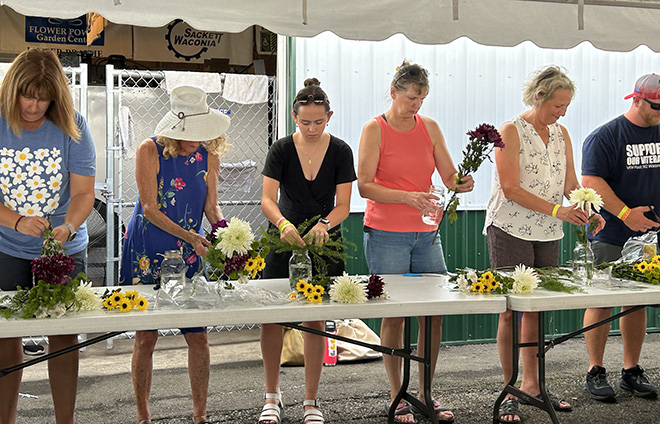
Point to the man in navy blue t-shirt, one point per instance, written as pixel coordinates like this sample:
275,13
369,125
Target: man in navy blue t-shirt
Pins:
621,161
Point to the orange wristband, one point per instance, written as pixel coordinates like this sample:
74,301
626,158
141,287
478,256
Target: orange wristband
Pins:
625,211
625,215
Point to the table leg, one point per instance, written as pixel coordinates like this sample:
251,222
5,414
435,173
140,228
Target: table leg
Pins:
510,386
544,403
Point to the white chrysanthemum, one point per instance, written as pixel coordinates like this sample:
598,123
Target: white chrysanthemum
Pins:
235,238
472,276
89,300
585,198
54,312
525,279
462,283
346,290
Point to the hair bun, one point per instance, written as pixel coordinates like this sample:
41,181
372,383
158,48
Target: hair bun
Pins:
312,81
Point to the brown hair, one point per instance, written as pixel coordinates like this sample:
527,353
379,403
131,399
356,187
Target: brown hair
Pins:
312,92
38,73
171,146
543,84
407,74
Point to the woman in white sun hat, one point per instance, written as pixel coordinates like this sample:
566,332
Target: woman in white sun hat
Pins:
177,175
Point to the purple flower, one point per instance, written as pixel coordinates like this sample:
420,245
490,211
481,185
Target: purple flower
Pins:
236,263
220,224
488,134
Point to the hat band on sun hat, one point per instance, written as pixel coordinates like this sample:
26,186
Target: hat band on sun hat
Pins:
182,118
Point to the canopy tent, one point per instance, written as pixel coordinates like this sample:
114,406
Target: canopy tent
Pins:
617,25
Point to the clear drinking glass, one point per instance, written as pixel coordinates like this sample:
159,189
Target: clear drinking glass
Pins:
434,217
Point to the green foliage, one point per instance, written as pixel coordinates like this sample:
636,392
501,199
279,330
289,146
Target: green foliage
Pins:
551,279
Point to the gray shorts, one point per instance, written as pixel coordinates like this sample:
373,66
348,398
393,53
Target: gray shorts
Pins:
505,250
605,252
18,272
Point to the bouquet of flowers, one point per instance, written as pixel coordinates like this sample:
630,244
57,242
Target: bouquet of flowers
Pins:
590,202
522,279
483,140
343,289
53,294
125,302
234,253
643,271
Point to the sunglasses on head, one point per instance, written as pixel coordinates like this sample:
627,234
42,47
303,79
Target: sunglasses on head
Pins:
654,106
317,98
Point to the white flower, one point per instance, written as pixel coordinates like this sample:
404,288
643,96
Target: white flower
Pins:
6,165
53,204
55,182
23,156
4,185
462,283
347,290
235,238
29,209
585,198
19,193
87,297
472,276
52,165
41,153
39,196
35,182
34,168
525,279
18,175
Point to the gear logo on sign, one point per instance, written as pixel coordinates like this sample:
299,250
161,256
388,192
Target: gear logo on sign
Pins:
188,43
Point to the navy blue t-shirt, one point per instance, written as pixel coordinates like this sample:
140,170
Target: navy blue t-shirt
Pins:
627,157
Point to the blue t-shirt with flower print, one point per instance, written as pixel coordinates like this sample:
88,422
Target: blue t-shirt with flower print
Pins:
181,196
34,180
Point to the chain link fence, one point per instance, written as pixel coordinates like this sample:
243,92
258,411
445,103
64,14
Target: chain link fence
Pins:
136,101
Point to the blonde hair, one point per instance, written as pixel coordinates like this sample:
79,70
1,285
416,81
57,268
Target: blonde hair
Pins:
543,83
38,73
171,146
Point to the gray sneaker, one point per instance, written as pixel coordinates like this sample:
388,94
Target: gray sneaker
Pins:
634,380
597,385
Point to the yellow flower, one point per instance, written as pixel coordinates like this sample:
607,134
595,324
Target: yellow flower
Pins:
144,263
301,285
494,285
108,304
642,266
636,267
261,263
126,306
141,303
315,298
656,260
251,264
293,296
117,298
478,287
487,277
319,289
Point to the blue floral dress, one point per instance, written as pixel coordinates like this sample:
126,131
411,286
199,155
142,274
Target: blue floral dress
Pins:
181,196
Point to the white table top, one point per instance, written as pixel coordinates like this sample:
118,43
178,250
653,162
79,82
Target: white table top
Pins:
602,295
409,296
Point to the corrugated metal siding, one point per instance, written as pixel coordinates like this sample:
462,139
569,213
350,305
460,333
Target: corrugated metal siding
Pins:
465,246
470,84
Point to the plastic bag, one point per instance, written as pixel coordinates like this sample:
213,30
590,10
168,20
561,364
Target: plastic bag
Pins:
639,248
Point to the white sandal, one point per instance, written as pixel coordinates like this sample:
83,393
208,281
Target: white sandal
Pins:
312,415
272,411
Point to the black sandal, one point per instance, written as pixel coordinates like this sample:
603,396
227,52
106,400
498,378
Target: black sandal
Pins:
403,408
555,401
509,406
437,408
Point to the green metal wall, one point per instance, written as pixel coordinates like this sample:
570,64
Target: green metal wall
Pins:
465,246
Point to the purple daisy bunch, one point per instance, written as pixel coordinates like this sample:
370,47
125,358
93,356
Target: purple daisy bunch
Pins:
236,263
53,269
219,224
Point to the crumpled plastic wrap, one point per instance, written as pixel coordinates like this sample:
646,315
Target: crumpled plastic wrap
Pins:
640,247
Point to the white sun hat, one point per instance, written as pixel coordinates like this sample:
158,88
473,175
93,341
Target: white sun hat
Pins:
191,118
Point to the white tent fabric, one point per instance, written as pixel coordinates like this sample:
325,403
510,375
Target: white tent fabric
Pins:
618,25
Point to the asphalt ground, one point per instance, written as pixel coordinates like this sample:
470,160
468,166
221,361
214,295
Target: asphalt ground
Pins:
468,379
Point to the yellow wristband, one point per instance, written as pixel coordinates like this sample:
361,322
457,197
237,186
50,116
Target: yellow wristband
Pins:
284,224
622,212
554,211
625,215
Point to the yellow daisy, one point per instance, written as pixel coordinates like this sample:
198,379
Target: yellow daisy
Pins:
251,264
487,276
319,289
108,304
315,298
642,266
126,306
301,285
144,263
141,303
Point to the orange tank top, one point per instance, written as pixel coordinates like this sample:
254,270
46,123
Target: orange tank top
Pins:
406,163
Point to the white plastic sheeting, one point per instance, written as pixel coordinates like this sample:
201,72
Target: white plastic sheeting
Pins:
470,84
618,25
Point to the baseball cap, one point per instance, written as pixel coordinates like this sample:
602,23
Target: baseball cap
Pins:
647,87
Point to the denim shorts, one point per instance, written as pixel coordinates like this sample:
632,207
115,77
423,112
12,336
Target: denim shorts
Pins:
390,252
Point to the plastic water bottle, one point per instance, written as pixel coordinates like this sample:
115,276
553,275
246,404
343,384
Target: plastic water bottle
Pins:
173,273
300,267
434,217
330,355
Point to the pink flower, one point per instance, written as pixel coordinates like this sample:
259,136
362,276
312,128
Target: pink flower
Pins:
191,259
179,183
198,156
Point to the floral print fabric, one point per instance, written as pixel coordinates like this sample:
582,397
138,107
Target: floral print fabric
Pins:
543,173
181,196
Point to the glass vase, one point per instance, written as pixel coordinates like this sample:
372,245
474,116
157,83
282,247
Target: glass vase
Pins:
583,263
300,267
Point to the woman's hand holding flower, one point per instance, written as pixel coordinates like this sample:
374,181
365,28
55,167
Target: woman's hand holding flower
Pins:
573,215
290,235
33,226
318,234
465,184
199,243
